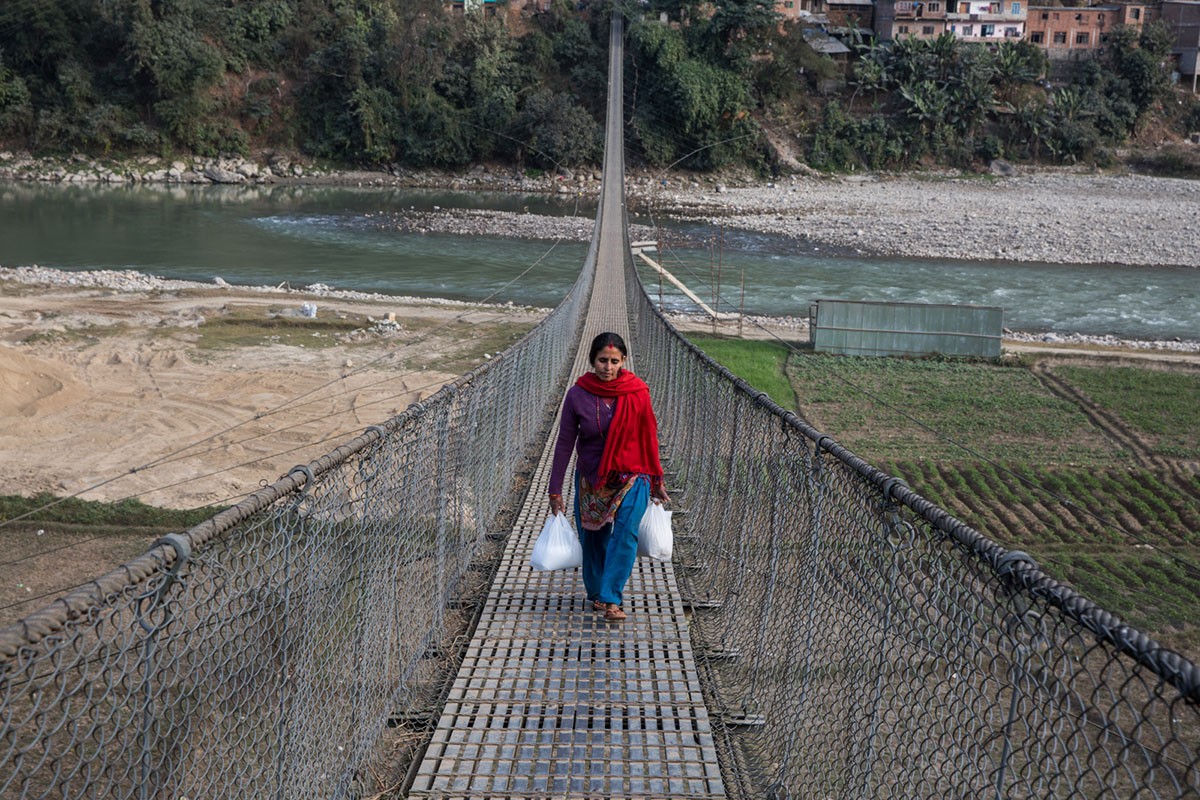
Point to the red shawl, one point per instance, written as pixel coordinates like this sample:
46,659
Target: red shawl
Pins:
632,442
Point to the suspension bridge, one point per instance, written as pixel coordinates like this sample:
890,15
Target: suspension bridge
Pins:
368,626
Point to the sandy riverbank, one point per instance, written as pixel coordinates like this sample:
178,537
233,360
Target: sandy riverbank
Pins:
104,372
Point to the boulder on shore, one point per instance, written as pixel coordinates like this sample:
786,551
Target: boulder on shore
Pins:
219,175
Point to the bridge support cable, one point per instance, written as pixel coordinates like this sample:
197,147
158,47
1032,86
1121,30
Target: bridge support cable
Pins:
551,700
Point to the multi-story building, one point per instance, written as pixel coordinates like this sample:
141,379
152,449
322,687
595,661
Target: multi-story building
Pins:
836,13
1183,17
1076,33
850,14
899,19
986,20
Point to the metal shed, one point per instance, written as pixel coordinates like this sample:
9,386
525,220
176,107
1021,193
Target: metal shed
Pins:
861,328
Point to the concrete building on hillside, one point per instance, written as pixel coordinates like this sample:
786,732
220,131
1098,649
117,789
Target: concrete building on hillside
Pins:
485,7
1072,34
987,20
1183,17
899,19
850,14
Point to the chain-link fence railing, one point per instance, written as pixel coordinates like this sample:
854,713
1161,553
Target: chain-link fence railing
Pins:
858,641
262,653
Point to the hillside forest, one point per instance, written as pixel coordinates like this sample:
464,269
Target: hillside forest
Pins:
413,83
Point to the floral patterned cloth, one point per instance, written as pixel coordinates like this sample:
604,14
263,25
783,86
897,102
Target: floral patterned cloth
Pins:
598,506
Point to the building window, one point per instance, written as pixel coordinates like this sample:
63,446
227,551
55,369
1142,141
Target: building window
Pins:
1056,15
789,4
968,30
994,8
964,8
934,7
1016,8
987,30
902,29
1060,37
1012,33
1135,13
1082,38
927,30
1079,17
1037,37
1045,15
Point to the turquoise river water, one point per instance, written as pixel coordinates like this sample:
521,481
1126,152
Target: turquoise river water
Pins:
273,235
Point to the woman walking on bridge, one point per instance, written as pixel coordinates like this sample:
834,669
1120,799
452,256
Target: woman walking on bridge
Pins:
608,420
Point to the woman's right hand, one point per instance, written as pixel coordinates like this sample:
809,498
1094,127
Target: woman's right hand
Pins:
556,504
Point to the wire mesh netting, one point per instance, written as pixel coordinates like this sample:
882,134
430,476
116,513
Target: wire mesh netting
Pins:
264,652
857,641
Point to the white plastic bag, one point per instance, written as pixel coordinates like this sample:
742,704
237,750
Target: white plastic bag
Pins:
557,546
654,533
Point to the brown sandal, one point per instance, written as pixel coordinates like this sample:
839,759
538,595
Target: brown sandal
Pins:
598,606
614,613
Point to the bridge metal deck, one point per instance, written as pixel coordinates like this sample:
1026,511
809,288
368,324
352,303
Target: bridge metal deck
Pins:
551,700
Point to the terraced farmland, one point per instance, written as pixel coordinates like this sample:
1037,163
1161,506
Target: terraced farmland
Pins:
1091,468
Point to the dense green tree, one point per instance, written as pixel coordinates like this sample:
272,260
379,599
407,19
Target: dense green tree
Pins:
387,81
739,29
685,109
1017,65
872,71
178,66
16,107
483,76
558,132
1137,57
841,142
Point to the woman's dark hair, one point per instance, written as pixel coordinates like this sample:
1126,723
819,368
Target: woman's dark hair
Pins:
607,339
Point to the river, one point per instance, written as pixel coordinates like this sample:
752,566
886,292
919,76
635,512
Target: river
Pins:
305,235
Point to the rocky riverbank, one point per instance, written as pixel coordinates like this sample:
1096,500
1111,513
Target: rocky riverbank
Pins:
132,281
1050,216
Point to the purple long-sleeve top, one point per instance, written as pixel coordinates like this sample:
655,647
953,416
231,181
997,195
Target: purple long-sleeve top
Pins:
585,421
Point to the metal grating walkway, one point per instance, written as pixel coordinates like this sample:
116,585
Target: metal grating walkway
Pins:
551,701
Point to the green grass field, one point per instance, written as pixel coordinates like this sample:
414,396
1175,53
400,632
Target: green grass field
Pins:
1002,452
1162,405
760,364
